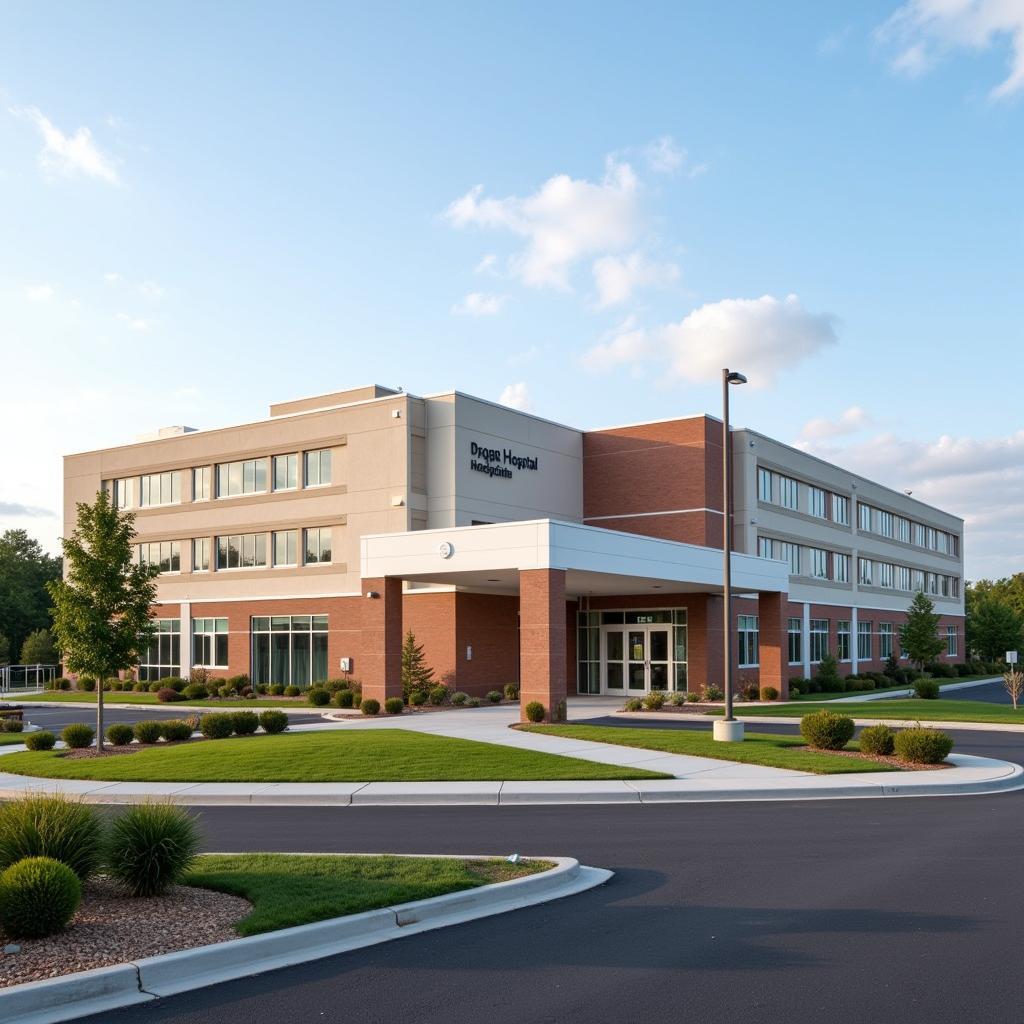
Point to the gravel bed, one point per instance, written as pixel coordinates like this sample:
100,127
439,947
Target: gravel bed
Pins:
112,928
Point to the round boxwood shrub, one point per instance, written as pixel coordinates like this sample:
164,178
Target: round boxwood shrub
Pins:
826,730
277,690
120,734
318,697
147,731
11,725
151,846
38,897
494,696
217,726
417,698
876,739
86,684
174,682
459,698
273,721
63,684
926,689
769,693
535,711
634,704
176,730
51,826
394,705
923,746
344,698
43,740
140,687
245,722
654,701
439,695
511,691
196,691
291,691
369,706
167,695
78,735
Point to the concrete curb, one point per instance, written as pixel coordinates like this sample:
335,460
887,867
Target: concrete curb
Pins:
109,988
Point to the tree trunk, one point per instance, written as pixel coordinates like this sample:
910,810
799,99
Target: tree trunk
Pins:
99,715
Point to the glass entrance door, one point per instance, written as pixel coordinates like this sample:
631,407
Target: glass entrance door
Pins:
659,667
636,652
637,659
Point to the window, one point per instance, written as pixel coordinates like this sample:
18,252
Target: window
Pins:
954,544
886,524
289,649
764,484
917,578
840,567
748,636
951,641
210,643
841,509
818,639
318,468
120,492
317,544
286,544
843,640
863,516
247,477
788,553
286,472
160,488
942,543
201,554
930,538
764,547
931,584
954,586
201,484
863,641
817,502
903,529
163,655
819,563
864,571
795,635
902,577
789,492
886,574
885,640
242,551
919,535
165,553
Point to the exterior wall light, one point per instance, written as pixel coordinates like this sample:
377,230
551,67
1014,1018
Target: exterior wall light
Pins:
373,594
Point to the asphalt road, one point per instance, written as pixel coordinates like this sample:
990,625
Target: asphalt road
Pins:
837,911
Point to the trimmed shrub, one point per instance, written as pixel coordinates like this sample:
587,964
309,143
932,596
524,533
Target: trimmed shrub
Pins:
926,689
225,691
344,698
826,730
168,694
712,693
120,734
141,687
176,730
794,689
535,711
174,682
273,721
417,698
494,696
633,704
277,690
370,706
439,695
394,705
749,691
923,746
87,685
239,682
654,701
51,826
693,697
262,688
459,698
196,691
245,722
292,691
151,846
63,684
318,697
769,693
152,687
40,740
828,675
11,725
78,735
511,691
147,732
218,726
677,699
38,897
876,739
473,702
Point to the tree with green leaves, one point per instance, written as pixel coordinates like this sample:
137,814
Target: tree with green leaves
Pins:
5,650
416,673
39,649
101,610
25,569
995,628
919,635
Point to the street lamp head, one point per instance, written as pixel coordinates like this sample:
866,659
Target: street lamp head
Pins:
736,378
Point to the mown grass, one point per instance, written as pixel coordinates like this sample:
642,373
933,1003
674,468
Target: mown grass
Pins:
378,755
9,738
815,698
288,890
757,748
910,709
131,697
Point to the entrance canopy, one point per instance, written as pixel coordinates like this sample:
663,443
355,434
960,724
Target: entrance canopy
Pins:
596,561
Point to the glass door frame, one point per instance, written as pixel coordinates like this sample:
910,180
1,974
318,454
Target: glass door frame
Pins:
636,637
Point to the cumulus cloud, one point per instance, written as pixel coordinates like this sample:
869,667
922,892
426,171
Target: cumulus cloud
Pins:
626,344
618,277
664,156
39,292
135,323
850,421
516,396
68,155
16,510
923,31
478,304
487,264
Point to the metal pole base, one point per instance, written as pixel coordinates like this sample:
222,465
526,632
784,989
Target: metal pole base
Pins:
728,732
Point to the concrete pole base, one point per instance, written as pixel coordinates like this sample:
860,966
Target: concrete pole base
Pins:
728,732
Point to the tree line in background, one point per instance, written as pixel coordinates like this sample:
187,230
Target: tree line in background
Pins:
25,570
995,616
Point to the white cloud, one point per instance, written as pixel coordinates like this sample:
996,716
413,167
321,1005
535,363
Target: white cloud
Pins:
135,323
39,292
516,396
486,264
112,278
925,30
850,421
618,277
478,304
628,343
834,41
664,156
151,290
564,221
68,155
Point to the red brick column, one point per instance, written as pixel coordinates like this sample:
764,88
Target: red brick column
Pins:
381,668
774,641
542,641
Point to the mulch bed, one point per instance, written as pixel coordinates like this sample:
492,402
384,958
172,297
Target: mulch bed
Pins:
112,928
891,760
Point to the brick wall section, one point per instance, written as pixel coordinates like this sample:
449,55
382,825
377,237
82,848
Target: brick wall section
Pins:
382,639
490,624
542,637
773,657
432,617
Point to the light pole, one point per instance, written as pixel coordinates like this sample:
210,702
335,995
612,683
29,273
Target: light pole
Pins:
728,729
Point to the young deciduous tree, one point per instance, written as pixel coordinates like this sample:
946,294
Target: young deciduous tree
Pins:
101,609
919,635
38,649
416,673
995,628
1013,681
25,570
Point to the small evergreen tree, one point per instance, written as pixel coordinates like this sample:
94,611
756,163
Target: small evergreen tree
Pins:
892,666
101,609
919,635
38,649
828,674
416,673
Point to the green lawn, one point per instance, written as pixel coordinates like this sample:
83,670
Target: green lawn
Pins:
910,709
757,748
378,755
288,890
131,697
7,738
814,698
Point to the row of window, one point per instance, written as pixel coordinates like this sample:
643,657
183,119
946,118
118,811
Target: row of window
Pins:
243,551
807,561
901,577
909,531
248,476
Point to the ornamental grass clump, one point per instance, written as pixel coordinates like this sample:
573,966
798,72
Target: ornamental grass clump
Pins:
150,847
78,735
923,746
148,731
654,701
826,730
51,826
273,721
877,739
42,740
926,689
38,897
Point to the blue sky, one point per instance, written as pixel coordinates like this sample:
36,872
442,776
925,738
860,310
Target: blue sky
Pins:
584,209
